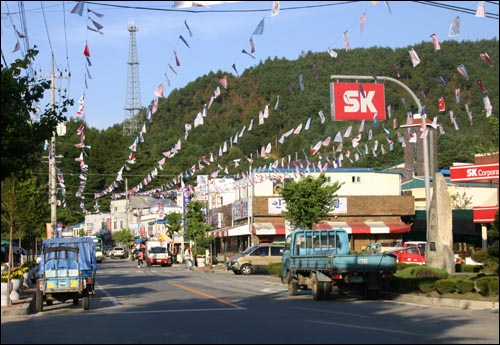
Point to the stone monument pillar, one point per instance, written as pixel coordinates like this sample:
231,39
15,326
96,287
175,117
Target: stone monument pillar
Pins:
439,251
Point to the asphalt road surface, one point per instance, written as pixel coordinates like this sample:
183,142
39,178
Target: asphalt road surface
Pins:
171,305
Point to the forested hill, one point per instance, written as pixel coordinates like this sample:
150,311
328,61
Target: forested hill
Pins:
294,92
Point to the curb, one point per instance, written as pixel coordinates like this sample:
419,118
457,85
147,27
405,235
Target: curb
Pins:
24,306
442,302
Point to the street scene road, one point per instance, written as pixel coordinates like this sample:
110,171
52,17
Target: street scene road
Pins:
171,305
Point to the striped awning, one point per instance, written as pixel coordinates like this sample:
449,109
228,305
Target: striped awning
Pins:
218,233
274,228
366,227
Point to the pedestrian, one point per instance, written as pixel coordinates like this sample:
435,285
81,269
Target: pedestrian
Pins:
140,258
187,259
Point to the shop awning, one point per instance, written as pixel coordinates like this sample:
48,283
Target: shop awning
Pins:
366,227
218,233
230,231
273,228
485,214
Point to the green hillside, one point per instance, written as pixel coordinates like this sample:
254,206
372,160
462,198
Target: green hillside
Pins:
261,85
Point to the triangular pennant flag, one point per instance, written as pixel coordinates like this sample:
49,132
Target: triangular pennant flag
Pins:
260,28
245,52
486,58
480,11
17,47
455,27
414,57
187,27
223,82
97,25
86,50
78,9
183,40
276,8
177,62
252,46
234,68
94,12
435,41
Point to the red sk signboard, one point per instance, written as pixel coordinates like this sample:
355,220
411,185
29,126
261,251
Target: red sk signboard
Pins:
464,173
353,101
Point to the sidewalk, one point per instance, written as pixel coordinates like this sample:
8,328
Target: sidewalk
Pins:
23,306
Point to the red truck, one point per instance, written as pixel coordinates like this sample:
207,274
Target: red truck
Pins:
413,252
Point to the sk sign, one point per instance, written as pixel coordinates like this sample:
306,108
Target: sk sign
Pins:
352,101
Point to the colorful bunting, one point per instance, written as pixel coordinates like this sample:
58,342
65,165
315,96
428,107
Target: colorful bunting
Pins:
455,27
435,41
78,9
260,28
486,58
414,57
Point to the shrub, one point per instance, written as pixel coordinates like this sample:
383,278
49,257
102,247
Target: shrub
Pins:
274,269
427,284
487,286
445,286
421,272
464,286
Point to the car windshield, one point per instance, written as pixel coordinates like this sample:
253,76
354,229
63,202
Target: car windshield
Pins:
249,250
158,250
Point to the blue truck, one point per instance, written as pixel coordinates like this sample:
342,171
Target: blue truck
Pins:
320,260
67,270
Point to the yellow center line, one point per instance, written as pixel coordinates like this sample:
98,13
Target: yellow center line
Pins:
204,294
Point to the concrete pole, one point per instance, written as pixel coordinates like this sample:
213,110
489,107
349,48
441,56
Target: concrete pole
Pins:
52,161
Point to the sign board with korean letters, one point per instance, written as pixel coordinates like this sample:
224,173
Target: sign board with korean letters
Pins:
339,206
276,205
354,101
470,172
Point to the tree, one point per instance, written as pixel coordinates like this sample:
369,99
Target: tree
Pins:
308,200
197,227
174,221
22,138
123,236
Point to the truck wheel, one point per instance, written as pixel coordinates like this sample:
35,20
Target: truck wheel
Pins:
38,301
75,301
85,302
246,269
292,288
327,289
317,288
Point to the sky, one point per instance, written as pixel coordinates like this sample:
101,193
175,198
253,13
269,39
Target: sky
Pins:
219,33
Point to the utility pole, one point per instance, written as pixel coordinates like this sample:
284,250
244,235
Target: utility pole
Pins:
52,159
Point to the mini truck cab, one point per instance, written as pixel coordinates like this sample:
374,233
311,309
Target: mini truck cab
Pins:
321,259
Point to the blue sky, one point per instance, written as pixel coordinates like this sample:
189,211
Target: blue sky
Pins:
220,32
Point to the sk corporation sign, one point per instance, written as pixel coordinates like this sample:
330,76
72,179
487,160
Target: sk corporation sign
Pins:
481,172
353,101
465,173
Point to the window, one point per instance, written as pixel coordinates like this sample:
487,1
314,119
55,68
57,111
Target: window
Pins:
276,251
356,179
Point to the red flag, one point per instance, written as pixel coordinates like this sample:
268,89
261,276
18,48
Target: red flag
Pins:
486,58
481,86
86,51
442,106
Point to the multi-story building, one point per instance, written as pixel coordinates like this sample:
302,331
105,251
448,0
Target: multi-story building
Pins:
369,205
